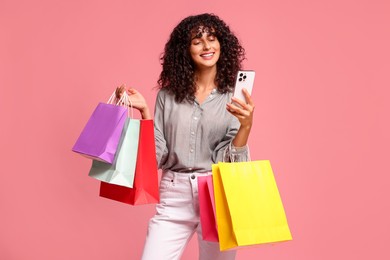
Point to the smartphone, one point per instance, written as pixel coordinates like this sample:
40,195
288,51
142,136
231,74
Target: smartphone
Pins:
245,79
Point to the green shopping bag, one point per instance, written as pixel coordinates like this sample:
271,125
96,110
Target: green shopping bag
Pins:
121,171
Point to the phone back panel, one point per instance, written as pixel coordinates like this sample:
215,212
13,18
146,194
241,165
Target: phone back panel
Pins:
245,79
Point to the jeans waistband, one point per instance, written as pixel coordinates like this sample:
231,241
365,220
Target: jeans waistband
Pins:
184,176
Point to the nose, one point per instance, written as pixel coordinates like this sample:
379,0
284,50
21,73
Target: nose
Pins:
206,46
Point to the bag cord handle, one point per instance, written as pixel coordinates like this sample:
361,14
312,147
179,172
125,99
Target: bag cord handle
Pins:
123,101
231,157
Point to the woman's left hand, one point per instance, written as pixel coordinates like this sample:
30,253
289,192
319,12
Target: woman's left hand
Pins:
244,113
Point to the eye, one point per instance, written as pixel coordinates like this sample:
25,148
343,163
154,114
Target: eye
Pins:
212,38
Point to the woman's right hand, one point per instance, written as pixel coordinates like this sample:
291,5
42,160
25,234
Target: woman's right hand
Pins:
137,100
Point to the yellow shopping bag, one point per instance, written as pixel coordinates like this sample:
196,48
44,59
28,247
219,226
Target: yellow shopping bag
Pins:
249,209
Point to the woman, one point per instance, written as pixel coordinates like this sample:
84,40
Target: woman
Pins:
196,125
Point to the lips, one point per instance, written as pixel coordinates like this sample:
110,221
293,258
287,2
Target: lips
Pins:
207,55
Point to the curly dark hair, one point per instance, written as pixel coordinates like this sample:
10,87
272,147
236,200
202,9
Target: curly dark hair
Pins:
177,75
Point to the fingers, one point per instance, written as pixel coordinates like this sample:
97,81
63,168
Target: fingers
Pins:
119,90
240,114
247,97
241,109
122,88
235,110
242,103
239,102
132,91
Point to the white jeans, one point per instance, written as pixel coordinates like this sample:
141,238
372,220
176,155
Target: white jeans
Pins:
177,219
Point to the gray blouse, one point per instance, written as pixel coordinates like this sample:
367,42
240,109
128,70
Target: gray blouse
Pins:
191,137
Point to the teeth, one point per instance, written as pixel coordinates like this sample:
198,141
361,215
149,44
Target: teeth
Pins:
207,55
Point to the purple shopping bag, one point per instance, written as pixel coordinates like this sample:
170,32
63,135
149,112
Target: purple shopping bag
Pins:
100,137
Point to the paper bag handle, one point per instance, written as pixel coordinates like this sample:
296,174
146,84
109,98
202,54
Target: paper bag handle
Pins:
123,101
231,157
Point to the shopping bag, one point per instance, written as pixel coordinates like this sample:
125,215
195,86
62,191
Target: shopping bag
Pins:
249,209
207,208
122,170
145,189
100,137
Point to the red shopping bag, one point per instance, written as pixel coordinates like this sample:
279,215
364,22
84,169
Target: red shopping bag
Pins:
145,189
207,208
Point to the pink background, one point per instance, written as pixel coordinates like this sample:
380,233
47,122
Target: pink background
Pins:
322,118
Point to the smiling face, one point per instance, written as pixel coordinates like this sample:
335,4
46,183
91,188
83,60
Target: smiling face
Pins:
204,49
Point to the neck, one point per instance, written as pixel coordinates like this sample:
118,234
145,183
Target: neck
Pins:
205,79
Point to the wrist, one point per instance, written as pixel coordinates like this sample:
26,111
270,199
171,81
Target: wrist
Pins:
145,113
246,127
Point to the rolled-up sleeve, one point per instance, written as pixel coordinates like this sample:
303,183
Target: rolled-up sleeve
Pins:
226,151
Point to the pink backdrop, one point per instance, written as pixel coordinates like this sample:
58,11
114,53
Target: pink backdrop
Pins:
322,118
